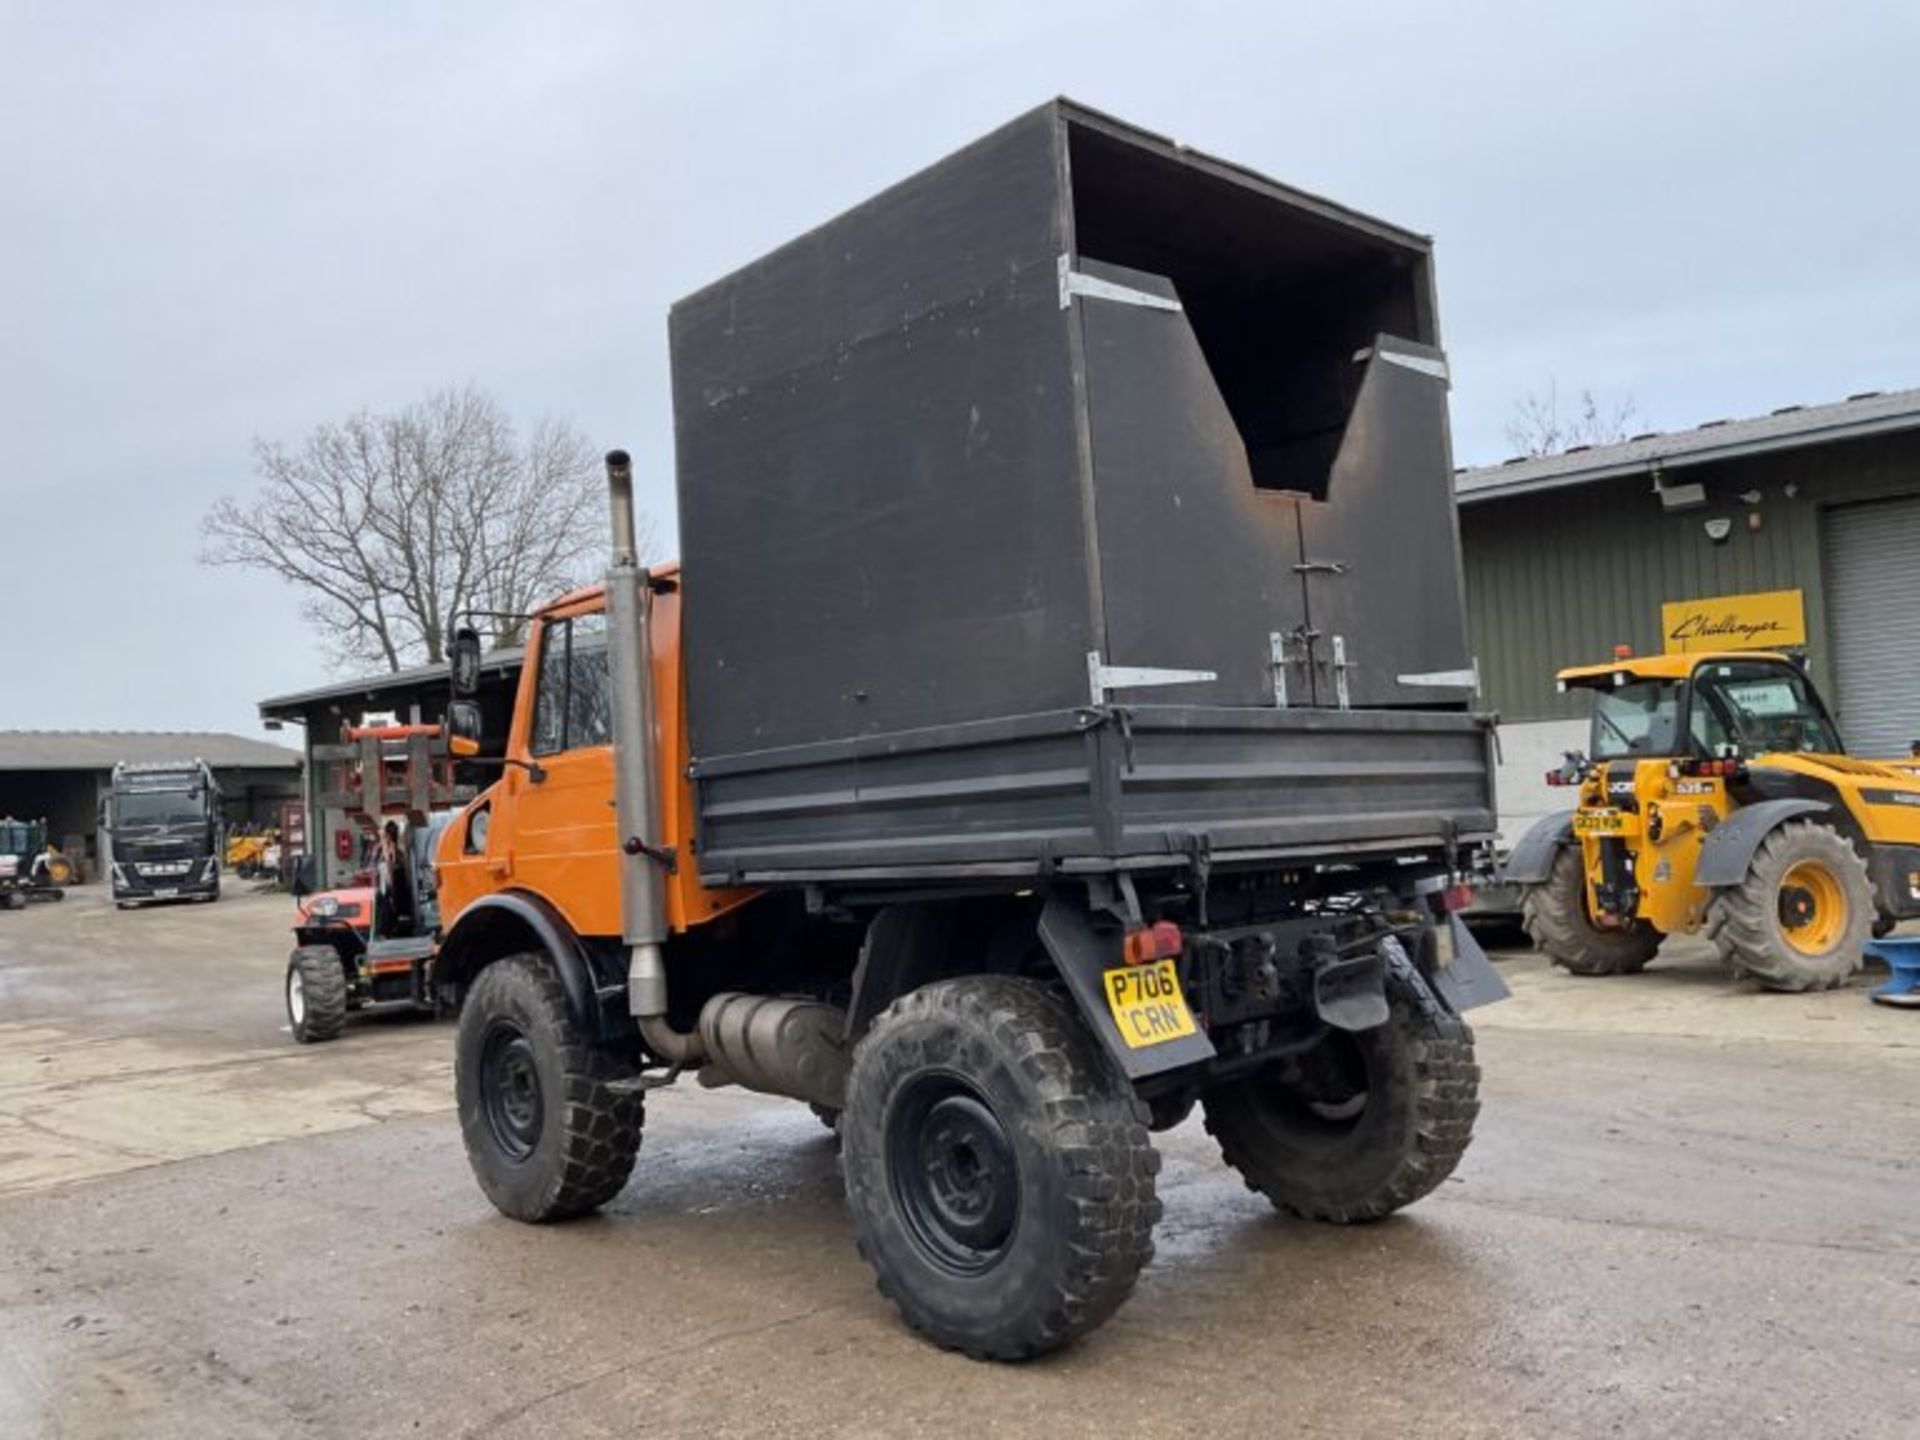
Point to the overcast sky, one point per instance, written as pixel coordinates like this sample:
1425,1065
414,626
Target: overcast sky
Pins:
219,221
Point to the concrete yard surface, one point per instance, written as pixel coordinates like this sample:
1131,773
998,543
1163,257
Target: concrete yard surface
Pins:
1690,1210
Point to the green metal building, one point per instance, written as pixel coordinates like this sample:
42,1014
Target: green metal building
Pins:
1797,529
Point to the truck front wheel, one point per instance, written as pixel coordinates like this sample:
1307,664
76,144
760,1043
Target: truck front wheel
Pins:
998,1168
547,1134
1362,1124
1557,920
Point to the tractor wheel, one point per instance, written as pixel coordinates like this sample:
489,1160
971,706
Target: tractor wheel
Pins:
998,1168
1801,917
548,1135
1558,922
1364,1123
316,994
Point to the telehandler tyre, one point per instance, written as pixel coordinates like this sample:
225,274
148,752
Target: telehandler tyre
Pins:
1362,1124
547,1135
1801,918
998,1168
1557,920
316,994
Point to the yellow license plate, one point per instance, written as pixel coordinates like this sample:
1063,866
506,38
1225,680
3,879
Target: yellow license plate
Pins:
1598,822
1147,1005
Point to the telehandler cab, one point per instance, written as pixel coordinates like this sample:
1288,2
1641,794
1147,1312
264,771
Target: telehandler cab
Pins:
1716,797
1006,825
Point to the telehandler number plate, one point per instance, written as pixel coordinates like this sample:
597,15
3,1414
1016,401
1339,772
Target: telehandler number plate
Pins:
1598,822
1148,1008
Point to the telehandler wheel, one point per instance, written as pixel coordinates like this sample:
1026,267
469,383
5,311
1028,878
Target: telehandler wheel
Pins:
998,1168
547,1135
59,870
1558,922
1800,919
316,994
1362,1124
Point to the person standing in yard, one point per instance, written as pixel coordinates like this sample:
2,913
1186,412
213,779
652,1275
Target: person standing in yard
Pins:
393,894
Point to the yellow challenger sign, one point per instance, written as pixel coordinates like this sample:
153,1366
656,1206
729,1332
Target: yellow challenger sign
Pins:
1766,620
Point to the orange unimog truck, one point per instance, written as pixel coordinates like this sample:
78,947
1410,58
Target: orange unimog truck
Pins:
1059,719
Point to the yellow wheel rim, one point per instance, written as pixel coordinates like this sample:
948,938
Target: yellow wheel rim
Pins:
1813,908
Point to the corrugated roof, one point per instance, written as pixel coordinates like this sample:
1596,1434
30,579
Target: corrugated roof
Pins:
1787,428
374,688
103,749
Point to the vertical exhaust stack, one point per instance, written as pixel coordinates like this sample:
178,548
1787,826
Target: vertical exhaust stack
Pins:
642,891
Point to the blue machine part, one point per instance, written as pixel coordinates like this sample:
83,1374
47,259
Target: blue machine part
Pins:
1902,957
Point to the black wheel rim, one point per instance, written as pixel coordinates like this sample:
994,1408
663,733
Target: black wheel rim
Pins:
954,1175
510,1090
1322,1096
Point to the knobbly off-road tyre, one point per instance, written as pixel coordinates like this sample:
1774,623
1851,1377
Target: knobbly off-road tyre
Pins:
998,1168
547,1135
1752,926
316,994
1366,1123
1556,920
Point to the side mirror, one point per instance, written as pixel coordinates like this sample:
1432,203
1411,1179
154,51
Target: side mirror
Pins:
463,661
463,725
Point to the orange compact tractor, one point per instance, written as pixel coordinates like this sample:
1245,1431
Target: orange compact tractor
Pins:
1058,722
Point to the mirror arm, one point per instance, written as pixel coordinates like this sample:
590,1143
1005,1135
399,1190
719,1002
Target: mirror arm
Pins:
536,772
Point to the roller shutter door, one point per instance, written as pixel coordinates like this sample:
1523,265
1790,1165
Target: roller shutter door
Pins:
1873,619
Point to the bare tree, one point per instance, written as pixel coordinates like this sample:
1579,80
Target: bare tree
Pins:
392,525
1538,428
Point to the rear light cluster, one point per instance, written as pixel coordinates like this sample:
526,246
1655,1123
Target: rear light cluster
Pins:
1156,942
1722,768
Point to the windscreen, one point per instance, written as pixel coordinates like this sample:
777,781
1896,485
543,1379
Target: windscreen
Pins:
1639,718
161,807
1756,708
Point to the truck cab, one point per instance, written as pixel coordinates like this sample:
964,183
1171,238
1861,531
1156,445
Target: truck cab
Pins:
163,822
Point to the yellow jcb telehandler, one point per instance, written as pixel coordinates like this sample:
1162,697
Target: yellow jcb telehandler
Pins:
1716,797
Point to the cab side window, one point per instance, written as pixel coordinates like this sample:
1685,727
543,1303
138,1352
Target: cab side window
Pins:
572,707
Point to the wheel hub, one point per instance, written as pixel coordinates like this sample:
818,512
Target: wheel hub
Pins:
955,1176
1812,908
296,997
510,1090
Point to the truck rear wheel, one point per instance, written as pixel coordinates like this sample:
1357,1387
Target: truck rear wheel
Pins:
1800,919
547,1135
1363,1124
1557,920
316,994
998,1168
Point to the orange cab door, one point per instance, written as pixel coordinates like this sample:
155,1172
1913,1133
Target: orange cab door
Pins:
563,823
